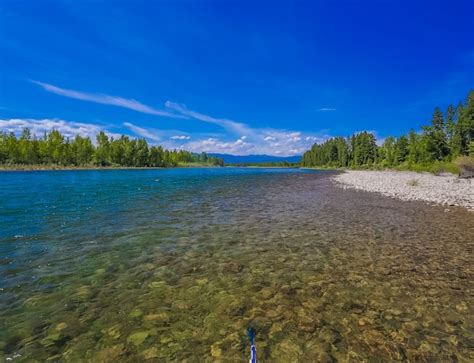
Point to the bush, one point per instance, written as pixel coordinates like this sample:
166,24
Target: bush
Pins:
466,166
439,167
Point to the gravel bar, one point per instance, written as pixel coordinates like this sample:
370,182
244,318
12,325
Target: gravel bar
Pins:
445,189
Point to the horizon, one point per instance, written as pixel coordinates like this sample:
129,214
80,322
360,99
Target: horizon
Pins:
234,78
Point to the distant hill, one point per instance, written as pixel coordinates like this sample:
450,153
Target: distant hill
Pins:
240,159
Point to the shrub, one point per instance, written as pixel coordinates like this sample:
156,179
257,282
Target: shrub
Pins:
466,166
439,167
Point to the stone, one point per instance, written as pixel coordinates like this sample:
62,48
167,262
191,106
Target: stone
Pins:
110,354
161,317
328,335
60,326
287,351
52,339
272,314
216,350
136,313
267,293
150,353
138,338
462,306
113,332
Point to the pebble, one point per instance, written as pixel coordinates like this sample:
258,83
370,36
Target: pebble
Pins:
443,189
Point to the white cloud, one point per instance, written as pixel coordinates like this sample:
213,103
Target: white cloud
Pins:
250,139
326,109
239,138
39,126
278,142
180,137
106,100
282,143
232,126
238,147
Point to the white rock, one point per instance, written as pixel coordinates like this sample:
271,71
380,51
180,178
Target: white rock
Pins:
445,189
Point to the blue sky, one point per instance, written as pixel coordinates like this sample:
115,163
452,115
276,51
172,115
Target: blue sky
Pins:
232,76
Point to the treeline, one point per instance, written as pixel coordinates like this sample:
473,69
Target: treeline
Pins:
55,149
450,135
268,164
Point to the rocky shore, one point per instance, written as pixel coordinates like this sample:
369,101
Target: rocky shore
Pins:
445,189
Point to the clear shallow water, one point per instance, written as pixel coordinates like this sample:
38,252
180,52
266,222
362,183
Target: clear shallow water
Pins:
173,265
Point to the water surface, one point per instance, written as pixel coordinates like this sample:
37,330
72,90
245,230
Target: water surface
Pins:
173,265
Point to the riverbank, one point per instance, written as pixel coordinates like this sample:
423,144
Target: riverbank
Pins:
20,167
445,189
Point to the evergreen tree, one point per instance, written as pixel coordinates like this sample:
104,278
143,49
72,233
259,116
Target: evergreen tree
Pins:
465,125
401,150
82,151
415,148
388,151
451,127
435,137
155,157
141,153
102,153
27,148
55,147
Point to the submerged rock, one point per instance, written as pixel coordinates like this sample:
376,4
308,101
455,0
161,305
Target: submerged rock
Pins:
216,350
287,351
317,352
61,326
137,313
52,339
150,353
328,335
113,332
110,354
159,317
138,338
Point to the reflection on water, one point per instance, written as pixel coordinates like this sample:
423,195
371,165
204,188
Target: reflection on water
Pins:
174,265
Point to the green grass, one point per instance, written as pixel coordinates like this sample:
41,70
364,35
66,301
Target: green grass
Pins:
436,167
465,162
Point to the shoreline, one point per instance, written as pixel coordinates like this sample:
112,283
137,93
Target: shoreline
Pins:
445,189
17,168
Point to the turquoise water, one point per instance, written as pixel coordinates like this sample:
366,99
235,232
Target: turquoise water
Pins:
174,264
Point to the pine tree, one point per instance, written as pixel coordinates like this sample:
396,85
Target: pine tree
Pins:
401,150
102,153
435,137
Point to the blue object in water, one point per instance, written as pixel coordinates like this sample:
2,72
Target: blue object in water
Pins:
253,348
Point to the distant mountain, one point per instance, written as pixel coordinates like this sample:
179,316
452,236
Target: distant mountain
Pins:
237,159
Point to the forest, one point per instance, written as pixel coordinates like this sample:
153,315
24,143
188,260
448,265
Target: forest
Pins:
450,136
55,149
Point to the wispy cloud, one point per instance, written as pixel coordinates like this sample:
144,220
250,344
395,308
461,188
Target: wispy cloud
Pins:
259,141
238,138
326,109
180,137
140,131
249,140
106,100
232,126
